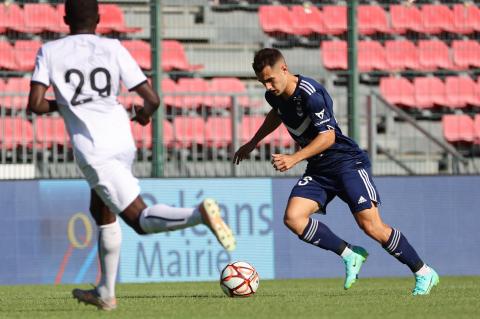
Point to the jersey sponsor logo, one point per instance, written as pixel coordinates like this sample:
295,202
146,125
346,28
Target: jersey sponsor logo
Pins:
320,114
322,122
361,200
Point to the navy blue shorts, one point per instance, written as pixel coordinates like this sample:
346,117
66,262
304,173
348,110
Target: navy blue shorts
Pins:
355,187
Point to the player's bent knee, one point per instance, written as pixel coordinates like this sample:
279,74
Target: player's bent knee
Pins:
295,224
134,223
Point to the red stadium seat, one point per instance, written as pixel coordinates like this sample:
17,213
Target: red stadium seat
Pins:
280,137
476,126
405,18
371,56
334,55
188,131
218,131
429,92
307,20
141,52
437,18
466,18
433,54
174,57
458,128
143,135
249,126
335,19
15,132
16,93
398,91
466,54
461,91
189,86
42,17
7,56
228,85
51,131
401,54
12,18
169,87
25,52
275,19
62,27
372,19
112,20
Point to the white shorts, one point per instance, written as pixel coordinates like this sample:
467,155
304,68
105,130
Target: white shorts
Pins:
113,181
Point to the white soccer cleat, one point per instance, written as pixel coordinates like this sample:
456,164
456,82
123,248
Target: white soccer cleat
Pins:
91,297
213,219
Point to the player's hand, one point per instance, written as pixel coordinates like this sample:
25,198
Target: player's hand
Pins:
283,162
140,116
243,152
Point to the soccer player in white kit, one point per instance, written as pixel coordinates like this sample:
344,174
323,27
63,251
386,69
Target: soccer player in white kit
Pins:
85,71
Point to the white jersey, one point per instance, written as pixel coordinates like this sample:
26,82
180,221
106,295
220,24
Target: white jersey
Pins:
85,71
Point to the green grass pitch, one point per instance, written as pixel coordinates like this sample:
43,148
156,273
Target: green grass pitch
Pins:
455,297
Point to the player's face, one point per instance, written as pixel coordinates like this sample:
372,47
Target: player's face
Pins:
274,78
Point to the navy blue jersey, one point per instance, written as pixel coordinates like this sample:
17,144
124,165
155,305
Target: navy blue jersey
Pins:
309,112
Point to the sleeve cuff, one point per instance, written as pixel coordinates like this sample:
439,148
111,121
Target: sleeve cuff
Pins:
136,86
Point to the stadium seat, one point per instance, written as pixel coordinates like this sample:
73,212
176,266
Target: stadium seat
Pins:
372,19
188,131
335,19
433,54
62,27
275,19
466,54
42,17
401,54
466,18
249,126
192,86
169,87
15,132
143,135
461,91
174,57
476,126
458,128
307,20
334,55
141,52
280,137
429,92
25,53
218,131
226,86
51,131
7,56
405,18
437,18
371,56
398,91
16,93
12,18
112,20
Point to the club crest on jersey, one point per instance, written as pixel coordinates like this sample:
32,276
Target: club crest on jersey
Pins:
298,105
320,114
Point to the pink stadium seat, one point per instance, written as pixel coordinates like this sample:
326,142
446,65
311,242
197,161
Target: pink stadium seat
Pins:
42,17
25,52
249,126
371,56
189,86
401,54
434,54
429,92
372,19
112,20
16,91
307,20
398,91
174,57
437,18
405,18
466,18
476,124
143,135
466,54
51,131
335,19
12,18
458,128
62,27
188,131
7,56
280,137
218,131
141,52
334,55
275,19
228,85
461,91
15,132
169,87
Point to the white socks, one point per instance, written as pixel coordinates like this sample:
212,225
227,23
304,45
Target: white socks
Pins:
425,270
109,243
160,218
346,252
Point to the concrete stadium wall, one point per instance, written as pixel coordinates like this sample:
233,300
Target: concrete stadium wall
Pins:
47,236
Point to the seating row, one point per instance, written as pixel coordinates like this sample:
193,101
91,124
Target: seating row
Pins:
461,128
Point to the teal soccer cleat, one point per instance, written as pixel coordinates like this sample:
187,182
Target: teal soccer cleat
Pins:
423,284
353,263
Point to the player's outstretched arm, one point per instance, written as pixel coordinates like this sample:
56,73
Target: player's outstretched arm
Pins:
151,103
37,102
272,121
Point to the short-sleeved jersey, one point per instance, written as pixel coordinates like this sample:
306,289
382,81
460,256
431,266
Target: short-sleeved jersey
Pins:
85,71
309,112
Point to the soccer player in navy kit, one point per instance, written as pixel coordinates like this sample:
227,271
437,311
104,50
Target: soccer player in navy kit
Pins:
336,167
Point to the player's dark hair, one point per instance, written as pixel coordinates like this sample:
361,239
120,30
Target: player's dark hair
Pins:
266,57
81,13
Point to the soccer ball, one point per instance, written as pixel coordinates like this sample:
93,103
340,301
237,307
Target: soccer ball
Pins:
239,279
